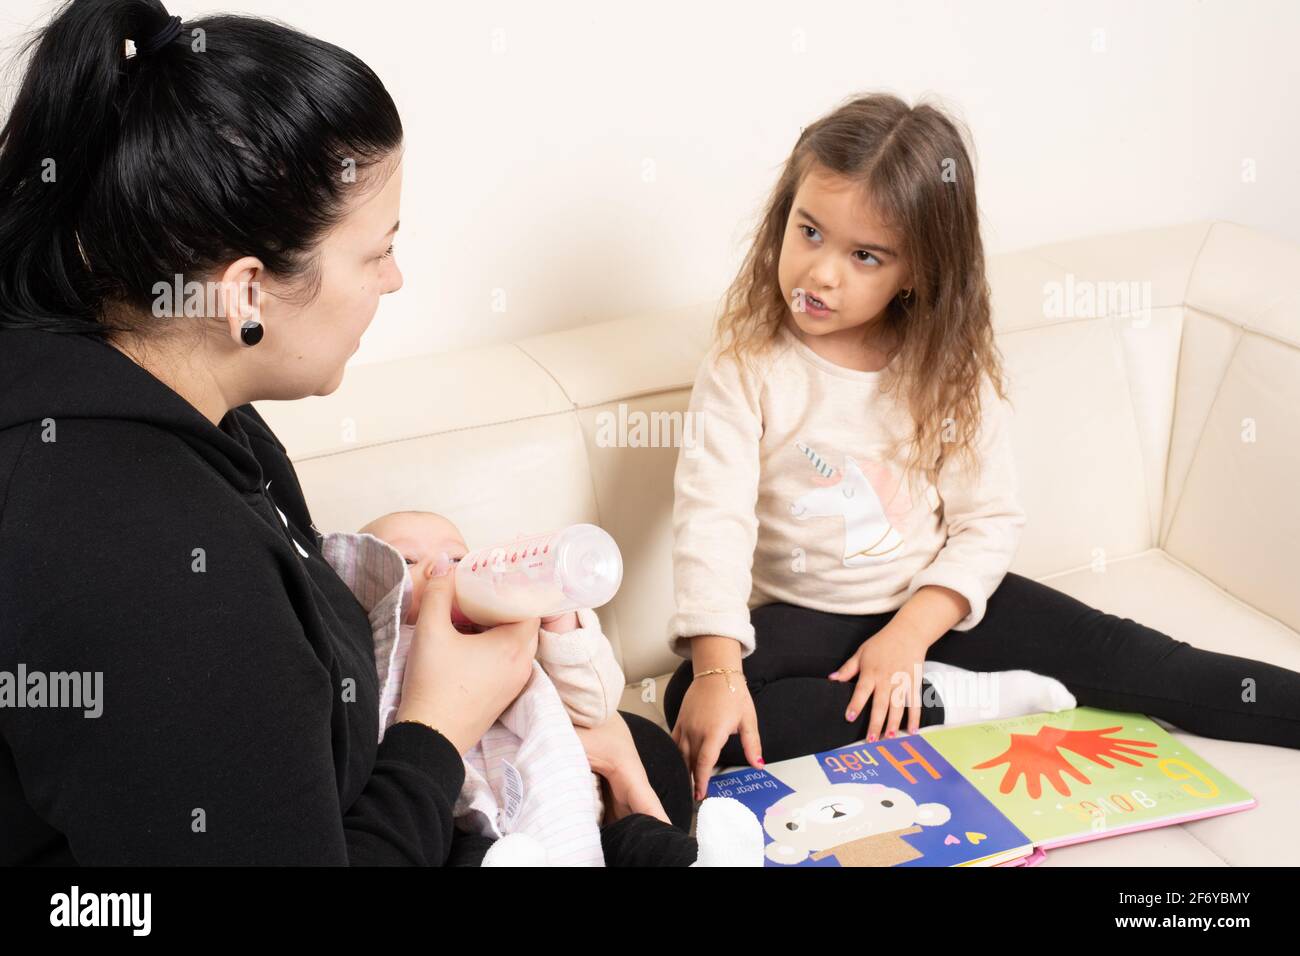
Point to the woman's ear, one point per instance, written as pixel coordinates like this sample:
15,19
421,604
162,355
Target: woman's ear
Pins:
241,294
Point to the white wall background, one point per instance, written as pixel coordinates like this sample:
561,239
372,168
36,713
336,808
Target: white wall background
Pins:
581,161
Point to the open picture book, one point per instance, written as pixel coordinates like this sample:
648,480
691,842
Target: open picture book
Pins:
999,793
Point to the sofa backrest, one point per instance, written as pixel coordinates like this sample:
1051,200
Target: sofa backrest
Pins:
1133,362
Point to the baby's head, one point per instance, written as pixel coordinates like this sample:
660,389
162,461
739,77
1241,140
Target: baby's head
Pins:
420,536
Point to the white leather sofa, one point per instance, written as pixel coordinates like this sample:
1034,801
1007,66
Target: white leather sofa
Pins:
1158,453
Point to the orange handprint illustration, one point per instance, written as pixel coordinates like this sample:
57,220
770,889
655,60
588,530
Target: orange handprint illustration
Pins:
1090,744
1040,756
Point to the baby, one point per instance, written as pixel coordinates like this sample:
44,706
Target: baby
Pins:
502,794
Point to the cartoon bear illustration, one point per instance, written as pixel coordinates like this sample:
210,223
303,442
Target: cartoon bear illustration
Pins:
860,824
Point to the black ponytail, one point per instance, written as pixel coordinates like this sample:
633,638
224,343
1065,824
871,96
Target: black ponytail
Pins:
241,136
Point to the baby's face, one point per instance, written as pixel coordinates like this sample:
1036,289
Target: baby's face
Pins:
420,538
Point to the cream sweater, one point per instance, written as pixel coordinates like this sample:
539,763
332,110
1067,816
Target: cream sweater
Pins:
783,497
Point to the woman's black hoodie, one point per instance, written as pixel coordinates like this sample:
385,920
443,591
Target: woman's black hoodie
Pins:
239,714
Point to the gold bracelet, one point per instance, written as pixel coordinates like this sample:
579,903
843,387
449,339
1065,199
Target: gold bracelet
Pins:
722,670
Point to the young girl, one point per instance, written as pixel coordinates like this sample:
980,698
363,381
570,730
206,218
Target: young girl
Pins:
843,536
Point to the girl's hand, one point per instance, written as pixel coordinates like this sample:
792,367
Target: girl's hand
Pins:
888,670
612,753
711,713
461,683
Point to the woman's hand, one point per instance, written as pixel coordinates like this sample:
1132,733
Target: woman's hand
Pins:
888,670
612,753
712,711
460,683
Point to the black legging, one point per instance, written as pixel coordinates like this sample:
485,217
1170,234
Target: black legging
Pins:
637,839
1106,661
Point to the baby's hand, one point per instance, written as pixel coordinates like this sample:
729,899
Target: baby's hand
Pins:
561,623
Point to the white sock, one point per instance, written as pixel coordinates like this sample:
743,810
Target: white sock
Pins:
988,695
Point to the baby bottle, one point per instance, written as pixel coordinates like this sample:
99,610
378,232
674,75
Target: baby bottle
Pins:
578,566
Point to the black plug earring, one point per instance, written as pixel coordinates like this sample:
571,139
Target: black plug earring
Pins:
250,333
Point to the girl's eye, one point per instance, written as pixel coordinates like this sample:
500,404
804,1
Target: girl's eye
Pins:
408,561
810,230
868,255
388,253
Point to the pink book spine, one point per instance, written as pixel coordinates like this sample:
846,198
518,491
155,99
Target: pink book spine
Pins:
1038,856
1154,824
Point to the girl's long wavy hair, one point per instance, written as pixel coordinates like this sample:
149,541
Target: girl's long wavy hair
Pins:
913,164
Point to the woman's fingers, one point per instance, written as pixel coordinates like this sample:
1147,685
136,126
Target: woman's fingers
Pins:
612,754
438,591
521,631
520,640
641,798
520,636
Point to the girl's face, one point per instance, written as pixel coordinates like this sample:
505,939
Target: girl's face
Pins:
838,267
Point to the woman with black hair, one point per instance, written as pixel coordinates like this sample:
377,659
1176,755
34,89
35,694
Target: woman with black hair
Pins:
185,230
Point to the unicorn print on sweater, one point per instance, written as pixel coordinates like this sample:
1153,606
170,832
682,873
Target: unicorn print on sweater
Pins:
868,496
